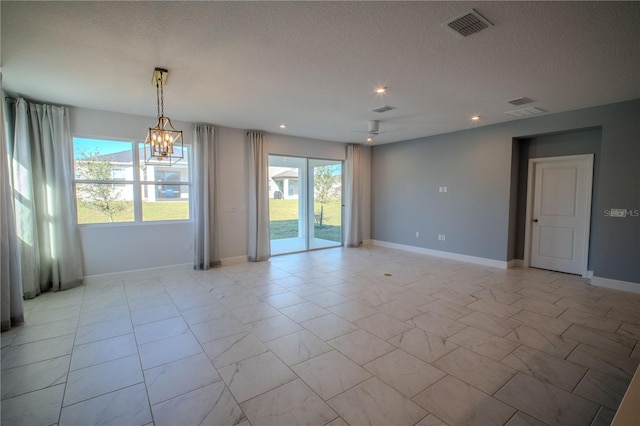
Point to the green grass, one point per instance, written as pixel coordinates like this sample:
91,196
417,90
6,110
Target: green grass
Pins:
165,210
88,214
288,210
161,210
283,216
283,209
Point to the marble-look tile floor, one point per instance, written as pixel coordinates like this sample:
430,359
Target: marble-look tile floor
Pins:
340,336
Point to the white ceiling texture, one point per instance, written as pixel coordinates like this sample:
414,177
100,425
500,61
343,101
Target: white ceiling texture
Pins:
315,65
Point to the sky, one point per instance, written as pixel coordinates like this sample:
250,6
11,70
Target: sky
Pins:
105,147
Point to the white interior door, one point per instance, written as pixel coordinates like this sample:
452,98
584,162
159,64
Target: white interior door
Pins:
561,213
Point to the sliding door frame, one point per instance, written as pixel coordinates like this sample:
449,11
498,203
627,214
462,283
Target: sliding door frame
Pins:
308,199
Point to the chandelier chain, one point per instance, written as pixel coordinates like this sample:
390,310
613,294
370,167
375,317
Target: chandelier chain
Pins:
161,95
158,95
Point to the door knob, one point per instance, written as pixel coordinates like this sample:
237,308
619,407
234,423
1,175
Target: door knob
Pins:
535,220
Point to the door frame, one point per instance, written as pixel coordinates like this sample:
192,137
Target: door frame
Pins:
588,158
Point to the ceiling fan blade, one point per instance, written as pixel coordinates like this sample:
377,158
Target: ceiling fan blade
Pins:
365,132
397,129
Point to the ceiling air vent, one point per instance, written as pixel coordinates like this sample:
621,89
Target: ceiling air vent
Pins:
467,24
525,112
383,108
520,101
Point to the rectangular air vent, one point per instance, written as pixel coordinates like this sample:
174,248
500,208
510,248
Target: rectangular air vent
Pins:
520,101
467,24
383,108
525,112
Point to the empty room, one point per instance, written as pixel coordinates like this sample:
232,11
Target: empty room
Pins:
320,213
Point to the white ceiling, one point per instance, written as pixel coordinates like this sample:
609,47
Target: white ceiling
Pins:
314,65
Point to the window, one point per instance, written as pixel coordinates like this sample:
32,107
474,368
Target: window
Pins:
112,184
119,173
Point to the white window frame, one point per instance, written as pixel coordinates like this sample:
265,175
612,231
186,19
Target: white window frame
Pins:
137,185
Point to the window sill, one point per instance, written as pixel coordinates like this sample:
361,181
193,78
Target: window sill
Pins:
134,224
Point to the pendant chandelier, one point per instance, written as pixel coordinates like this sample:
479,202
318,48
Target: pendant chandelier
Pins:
163,142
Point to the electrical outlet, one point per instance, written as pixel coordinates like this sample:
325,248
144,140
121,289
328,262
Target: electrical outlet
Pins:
441,237
417,234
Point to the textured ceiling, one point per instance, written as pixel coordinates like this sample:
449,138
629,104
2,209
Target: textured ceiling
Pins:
314,65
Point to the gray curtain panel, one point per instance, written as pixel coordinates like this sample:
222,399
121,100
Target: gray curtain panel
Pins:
353,197
204,208
49,243
12,309
258,205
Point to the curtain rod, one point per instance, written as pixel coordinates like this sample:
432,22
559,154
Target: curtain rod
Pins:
31,101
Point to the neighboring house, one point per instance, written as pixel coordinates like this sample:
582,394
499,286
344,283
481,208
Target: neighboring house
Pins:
283,183
162,175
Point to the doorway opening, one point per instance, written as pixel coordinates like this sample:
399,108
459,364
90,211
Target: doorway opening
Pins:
561,144
305,203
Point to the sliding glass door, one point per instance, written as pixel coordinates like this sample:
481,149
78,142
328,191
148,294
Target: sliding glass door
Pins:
305,203
325,203
287,206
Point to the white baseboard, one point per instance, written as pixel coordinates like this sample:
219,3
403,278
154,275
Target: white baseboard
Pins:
520,263
444,254
101,278
234,260
616,284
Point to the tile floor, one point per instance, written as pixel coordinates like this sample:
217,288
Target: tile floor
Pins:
333,337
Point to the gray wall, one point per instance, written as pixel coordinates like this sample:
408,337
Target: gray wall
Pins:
616,251
477,214
405,191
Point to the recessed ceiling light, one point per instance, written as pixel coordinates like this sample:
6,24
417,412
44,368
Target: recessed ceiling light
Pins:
381,89
283,126
475,118
369,139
